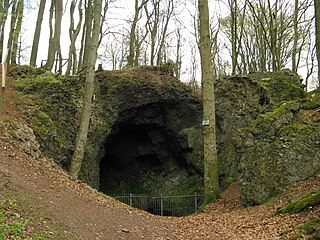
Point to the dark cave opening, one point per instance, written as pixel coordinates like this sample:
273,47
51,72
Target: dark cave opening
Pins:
147,154
135,153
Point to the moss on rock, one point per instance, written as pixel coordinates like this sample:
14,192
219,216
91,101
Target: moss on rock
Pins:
278,153
266,124
49,103
304,203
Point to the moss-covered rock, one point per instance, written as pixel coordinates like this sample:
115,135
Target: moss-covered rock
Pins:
164,108
279,148
50,104
252,101
304,203
266,126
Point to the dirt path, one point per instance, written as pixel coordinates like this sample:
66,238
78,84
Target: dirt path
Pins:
81,211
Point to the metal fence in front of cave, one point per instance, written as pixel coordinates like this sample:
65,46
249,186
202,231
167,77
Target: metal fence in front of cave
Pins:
164,205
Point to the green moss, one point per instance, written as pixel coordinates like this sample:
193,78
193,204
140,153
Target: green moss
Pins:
228,163
48,101
281,86
312,101
311,226
309,230
269,123
315,237
25,71
297,236
295,130
305,202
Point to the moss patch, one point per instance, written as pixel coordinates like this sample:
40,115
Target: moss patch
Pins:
49,103
304,203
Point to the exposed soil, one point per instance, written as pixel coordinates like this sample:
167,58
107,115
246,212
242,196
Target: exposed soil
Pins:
68,209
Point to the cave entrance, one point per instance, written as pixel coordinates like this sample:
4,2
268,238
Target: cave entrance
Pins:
135,153
145,155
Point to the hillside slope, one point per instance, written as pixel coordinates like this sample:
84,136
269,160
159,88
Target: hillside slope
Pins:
59,205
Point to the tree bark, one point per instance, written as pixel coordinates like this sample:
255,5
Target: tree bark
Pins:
234,54
92,47
211,186
132,38
73,34
88,31
36,37
4,4
54,42
317,24
17,31
12,29
153,28
164,30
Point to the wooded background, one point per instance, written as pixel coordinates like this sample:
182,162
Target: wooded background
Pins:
246,35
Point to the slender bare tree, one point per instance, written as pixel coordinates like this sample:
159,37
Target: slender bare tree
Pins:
15,29
37,32
93,42
4,9
132,39
73,34
17,32
54,41
211,185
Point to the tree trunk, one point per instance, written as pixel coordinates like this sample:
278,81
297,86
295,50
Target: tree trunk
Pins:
153,28
17,30
132,37
164,30
73,34
54,42
234,30
3,18
211,186
87,37
36,37
12,30
317,23
92,47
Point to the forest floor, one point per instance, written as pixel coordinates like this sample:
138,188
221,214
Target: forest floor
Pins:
59,207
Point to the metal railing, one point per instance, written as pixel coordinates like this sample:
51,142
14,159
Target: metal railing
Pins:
164,205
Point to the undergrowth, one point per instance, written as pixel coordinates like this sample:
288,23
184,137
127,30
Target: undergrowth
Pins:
13,225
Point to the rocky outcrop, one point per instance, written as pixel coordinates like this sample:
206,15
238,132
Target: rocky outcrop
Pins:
280,147
23,135
239,101
145,134
139,134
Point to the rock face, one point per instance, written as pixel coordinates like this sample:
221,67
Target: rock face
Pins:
282,146
267,126
145,134
139,129
23,135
